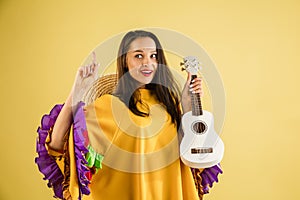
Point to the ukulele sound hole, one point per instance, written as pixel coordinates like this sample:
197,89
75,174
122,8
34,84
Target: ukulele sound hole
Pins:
199,127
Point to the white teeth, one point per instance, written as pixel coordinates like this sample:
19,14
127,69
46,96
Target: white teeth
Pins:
146,72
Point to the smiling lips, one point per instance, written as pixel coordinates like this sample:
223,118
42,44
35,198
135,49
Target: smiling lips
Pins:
146,73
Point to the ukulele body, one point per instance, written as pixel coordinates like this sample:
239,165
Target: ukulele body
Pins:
201,146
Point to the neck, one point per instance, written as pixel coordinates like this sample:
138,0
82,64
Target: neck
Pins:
196,102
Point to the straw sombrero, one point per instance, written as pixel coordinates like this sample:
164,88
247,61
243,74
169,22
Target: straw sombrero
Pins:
103,85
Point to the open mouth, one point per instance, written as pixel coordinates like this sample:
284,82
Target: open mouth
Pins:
147,72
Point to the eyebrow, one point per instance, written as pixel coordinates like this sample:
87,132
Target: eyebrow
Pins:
139,50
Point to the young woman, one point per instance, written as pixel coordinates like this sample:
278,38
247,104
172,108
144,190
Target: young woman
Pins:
125,145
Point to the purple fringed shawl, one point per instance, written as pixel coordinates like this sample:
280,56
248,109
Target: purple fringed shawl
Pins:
81,143
209,176
47,164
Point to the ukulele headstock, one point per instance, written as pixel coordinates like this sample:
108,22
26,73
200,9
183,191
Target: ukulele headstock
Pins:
191,64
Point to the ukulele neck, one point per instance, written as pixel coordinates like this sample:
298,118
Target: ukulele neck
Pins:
196,102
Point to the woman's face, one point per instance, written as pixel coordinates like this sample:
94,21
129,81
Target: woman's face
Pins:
141,59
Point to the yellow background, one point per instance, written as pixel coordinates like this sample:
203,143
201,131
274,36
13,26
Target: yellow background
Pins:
255,45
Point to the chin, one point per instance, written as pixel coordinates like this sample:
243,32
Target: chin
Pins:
145,82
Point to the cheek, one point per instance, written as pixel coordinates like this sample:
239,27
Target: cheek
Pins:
155,66
132,68
131,64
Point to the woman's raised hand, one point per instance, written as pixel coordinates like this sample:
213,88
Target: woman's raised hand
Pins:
195,87
85,77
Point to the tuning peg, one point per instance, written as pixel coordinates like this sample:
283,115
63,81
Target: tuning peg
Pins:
182,69
181,63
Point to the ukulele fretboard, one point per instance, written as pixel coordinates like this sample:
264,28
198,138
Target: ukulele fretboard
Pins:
196,102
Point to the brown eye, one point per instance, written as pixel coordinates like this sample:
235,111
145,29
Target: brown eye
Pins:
154,56
138,56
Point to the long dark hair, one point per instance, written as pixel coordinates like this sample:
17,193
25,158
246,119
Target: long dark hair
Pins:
163,85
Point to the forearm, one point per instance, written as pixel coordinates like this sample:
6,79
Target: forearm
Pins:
186,106
85,77
62,126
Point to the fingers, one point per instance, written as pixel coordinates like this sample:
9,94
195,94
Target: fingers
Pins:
189,77
94,58
91,69
196,86
187,83
95,68
85,71
96,65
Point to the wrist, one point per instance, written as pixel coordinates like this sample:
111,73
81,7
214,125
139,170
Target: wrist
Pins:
186,108
74,98
69,101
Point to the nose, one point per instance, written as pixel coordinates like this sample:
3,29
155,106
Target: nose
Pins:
146,61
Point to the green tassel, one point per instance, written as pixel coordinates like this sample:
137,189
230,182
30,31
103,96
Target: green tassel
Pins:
93,158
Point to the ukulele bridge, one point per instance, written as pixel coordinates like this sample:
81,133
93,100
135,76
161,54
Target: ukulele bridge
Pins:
201,150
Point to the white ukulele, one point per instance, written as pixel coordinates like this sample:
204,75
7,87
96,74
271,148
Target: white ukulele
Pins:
201,146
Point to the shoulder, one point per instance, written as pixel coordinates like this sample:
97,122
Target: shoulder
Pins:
104,99
105,102
106,106
100,102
